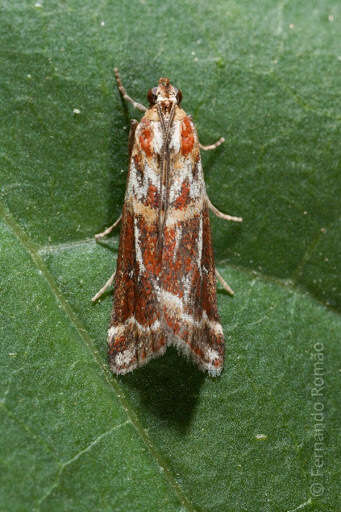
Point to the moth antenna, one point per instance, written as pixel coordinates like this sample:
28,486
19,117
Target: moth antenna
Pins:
125,96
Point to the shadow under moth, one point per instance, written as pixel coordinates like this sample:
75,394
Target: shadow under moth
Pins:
165,279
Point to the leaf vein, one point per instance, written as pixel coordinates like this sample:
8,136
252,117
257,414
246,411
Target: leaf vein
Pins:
73,318
76,457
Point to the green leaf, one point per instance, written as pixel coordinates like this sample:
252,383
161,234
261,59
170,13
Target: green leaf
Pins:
167,437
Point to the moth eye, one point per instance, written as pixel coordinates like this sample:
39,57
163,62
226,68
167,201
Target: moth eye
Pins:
151,96
179,96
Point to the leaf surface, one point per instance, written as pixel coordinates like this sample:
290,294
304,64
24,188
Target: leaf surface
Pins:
266,77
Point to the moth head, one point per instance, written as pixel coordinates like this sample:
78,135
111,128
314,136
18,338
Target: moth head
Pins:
165,91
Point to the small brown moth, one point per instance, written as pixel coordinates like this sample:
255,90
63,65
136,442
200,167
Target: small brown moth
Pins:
165,280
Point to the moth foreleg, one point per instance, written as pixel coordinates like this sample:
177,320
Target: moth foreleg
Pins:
220,214
102,290
125,96
215,210
109,229
224,283
212,146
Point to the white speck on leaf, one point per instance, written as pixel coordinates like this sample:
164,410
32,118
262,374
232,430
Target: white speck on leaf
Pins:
261,437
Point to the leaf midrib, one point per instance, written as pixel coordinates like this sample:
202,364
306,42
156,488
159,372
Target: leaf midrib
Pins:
25,241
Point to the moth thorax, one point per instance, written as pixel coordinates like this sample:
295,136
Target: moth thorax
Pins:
166,107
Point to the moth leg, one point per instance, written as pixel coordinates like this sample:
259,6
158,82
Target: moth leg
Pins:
224,283
109,229
212,146
102,290
125,96
220,214
215,210
131,137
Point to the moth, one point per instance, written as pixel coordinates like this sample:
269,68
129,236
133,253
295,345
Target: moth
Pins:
165,280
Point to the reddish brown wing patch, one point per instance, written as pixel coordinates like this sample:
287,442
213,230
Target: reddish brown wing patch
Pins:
152,198
124,284
208,299
184,198
138,162
148,242
146,138
187,136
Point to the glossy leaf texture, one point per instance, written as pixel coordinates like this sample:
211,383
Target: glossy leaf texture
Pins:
264,75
